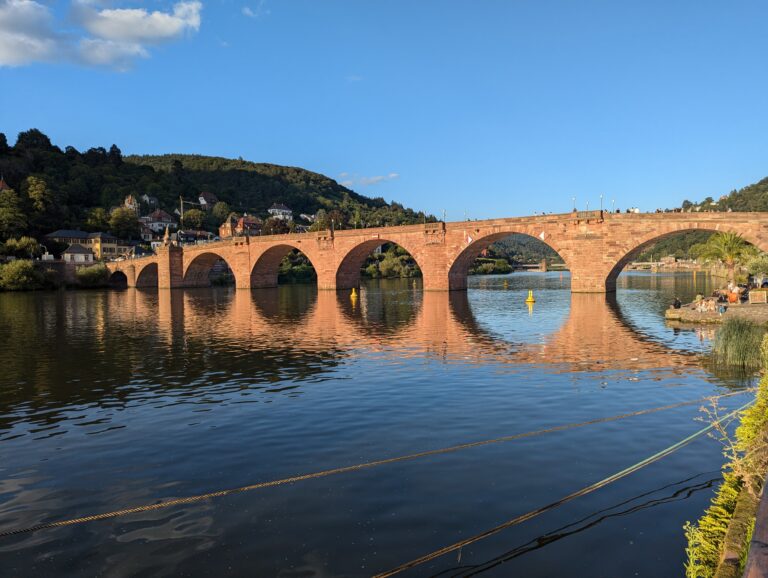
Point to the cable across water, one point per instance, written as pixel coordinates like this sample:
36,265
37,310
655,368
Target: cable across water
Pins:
582,492
352,468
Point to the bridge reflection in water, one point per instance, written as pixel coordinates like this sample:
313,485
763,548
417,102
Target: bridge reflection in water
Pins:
593,337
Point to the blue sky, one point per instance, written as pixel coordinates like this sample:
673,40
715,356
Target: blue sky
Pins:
484,108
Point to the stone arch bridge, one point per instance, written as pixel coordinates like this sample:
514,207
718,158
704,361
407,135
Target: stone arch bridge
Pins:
595,246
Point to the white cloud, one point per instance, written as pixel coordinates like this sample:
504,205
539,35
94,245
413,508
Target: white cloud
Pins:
257,12
366,181
119,55
113,37
26,33
139,25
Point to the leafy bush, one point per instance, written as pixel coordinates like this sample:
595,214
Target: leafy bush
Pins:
20,275
94,276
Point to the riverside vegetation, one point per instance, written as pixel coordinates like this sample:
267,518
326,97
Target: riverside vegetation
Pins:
718,542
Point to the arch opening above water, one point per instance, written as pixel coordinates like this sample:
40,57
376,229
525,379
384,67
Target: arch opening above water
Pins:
645,244
147,276
208,269
283,263
376,258
118,280
481,252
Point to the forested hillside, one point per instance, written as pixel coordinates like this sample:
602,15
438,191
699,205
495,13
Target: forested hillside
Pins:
750,198
51,188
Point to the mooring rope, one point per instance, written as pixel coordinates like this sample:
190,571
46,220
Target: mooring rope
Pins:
352,468
582,492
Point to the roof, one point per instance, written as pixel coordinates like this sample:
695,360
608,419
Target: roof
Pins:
161,215
249,220
68,234
209,198
3,185
279,206
76,249
103,236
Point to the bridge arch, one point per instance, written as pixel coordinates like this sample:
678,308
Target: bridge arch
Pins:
266,268
147,276
348,272
118,279
459,267
634,247
198,270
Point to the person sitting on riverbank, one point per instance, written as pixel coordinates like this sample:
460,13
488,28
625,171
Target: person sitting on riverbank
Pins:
708,305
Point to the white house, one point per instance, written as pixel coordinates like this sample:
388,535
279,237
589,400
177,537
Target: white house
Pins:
280,211
77,254
158,220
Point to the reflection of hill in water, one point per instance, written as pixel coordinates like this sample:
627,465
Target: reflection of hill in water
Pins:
114,348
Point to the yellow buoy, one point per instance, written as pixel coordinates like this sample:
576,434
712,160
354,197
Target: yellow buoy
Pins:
530,297
353,295
506,284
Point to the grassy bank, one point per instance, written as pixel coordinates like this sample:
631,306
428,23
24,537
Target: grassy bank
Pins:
718,542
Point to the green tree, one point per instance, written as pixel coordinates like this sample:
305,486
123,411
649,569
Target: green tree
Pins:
31,140
124,223
12,218
275,227
97,220
23,248
725,247
39,194
193,219
220,212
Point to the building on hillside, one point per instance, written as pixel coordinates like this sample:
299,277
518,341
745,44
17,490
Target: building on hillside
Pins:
308,218
207,200
106,246
158,220
280,211
131,203
69,236
149,201
102,245
77,254
147,234
235,226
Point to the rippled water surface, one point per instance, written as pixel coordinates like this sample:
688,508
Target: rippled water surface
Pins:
117,399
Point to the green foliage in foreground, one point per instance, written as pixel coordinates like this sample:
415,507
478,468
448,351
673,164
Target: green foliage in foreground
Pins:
93,276
745,471
20,275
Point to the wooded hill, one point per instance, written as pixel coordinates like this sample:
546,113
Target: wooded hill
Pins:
54,189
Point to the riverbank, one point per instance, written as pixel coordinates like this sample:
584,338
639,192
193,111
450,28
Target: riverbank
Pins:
726,539
755,312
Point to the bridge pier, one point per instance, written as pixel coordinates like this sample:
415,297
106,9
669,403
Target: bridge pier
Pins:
170,267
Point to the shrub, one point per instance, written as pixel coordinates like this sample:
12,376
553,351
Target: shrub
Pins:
20,275
94,276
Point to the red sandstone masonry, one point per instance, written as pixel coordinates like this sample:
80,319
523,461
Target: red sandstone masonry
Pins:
595,246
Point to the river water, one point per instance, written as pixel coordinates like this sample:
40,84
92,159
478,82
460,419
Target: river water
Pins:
117,399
